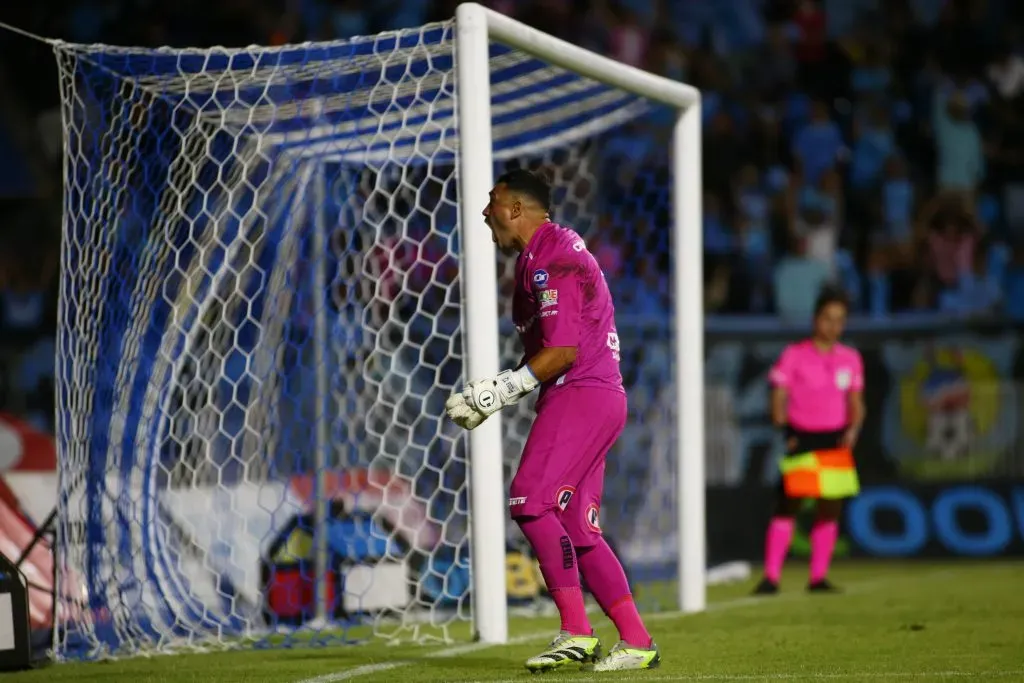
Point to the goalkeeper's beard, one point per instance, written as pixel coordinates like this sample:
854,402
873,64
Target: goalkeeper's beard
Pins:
506,249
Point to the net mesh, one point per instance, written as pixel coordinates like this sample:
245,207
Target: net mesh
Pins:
261,310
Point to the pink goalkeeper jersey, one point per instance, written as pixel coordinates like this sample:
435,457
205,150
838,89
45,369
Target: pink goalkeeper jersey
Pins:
562,299
817,383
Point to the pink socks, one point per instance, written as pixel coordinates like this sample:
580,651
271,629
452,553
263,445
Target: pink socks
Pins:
557,559
776,546
780,534
604,574
607,581
823,543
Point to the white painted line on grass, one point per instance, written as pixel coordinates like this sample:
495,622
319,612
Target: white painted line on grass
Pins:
356,672
457,650
476,647
807,676
837,676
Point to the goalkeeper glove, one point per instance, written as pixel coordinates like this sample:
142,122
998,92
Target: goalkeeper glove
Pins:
482,398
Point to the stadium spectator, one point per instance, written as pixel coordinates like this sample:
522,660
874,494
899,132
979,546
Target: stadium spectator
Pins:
818,145
729,152
1006,72
817,212
951,240
606,247
628,39
774,65
811,47
873,143
799,278
961,163
897,204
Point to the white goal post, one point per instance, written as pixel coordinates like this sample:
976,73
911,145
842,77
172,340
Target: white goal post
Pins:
476,27
274,272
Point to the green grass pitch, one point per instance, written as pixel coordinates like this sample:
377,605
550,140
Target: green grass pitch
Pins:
895,622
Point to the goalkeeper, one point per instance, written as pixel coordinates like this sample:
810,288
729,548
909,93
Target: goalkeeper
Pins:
563,312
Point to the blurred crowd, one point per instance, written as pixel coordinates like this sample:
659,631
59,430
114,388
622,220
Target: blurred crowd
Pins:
28,313
877,143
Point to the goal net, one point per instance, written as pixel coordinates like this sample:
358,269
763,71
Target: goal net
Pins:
261,316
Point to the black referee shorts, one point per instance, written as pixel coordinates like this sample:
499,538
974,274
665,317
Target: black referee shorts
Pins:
809,441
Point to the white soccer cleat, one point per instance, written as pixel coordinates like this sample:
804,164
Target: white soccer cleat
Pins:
566,650
625,657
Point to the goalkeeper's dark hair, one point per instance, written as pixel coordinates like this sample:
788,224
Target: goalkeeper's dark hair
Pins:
529,183
831,294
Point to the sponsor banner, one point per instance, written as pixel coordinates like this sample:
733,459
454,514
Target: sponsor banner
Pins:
956,519
941,403
970,519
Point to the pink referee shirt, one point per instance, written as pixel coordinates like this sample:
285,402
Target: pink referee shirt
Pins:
817,383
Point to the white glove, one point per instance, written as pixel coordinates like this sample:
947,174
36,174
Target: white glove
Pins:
482,398
461,414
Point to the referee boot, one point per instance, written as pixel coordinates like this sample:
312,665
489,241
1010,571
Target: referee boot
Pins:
566,650
823,586
766,587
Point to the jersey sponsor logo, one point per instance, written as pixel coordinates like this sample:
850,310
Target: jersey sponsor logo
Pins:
540,278
548,298
843,379
521,500
578,245
593,517
564,495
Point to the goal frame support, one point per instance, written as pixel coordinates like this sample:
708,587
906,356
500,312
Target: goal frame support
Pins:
476,26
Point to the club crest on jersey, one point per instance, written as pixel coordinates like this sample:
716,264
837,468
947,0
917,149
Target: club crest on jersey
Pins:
593,517
563,496
540,278
548,297
843,379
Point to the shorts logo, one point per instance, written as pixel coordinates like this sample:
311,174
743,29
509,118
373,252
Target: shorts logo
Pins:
568,556
540,278
843,379
563,496
548,297
512,502
593,517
